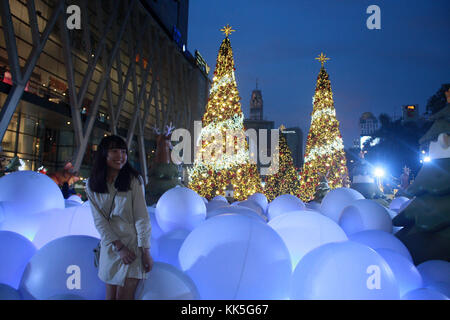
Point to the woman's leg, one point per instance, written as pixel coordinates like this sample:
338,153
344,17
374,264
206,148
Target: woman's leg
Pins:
111,292
128,290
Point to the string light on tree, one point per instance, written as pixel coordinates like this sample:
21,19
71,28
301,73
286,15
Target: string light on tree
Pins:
286,179
324,154
215,167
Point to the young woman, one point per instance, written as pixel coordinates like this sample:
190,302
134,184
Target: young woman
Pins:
116,193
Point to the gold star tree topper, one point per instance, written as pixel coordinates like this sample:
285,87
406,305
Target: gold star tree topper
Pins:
227,30
322,58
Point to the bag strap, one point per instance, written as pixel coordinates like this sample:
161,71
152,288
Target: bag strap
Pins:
107,217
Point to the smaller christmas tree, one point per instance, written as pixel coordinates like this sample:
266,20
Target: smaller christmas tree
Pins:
286,179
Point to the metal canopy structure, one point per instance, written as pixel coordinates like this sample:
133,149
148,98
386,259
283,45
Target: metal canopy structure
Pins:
121,60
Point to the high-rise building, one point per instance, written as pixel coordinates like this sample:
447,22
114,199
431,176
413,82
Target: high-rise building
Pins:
410,113
368,124
256,105
123,72
294,137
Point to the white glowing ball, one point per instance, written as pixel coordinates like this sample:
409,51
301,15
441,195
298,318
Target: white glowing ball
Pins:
377,239
63,266
343,271
9,293
283,204
156,229
406,274
260,199
236,257
424,294
220,198
433,271
336,200
215,204
303,231
165,282
169,245
30,187
397,202
57,223
365,214
441,287
180,208
20,219
15,252
236,210
253,205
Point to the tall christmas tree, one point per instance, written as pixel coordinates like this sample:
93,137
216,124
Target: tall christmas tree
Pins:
223,158
285,180
324,147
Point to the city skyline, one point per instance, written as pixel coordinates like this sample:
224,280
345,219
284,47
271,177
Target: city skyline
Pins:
374,71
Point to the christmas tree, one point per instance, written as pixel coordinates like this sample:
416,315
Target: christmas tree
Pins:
285,180
324,147
223,158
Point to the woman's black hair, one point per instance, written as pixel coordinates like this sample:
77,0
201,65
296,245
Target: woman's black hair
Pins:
97,179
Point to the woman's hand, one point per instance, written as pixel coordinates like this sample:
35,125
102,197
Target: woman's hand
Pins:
147,260
127,255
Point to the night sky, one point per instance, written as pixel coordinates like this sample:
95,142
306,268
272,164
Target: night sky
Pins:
370,70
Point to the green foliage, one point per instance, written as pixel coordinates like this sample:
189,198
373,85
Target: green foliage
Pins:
438,101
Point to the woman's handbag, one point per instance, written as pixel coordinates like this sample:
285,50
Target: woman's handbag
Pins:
107,217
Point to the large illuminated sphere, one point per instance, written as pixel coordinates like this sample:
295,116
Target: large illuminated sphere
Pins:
236,210
406,274
283,204
433,271
15,252
169,245
377,239
9,293
365,214
31,188
156,229
343,271
63,263
441,287
215,204
180,208
397,202
253,205
236,257
165,282
260,199
58,223
20,219
303,231
336,200
424,294
220,198
65,296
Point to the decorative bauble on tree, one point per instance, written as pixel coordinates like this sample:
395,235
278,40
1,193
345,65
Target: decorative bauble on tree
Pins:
283,178
223,158
163,173
324,147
